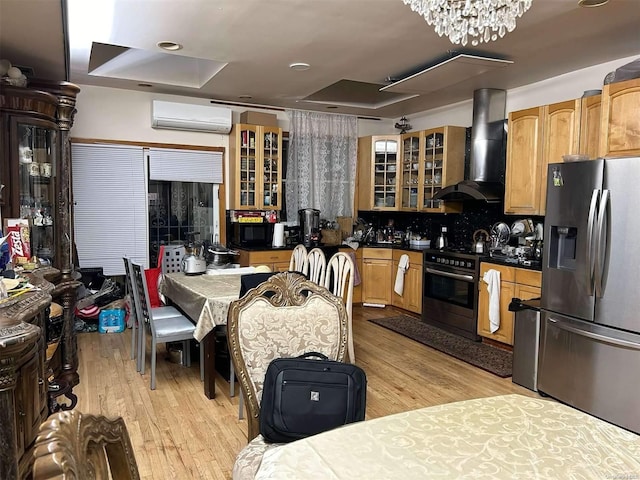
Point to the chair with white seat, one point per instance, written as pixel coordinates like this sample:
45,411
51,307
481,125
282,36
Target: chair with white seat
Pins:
174,328
132,311
299,260
285,316
317,266
339,281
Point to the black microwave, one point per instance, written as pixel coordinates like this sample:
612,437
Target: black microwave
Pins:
252,234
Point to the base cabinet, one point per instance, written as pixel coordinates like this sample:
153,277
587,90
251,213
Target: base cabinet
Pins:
276,260
411,298
514,282
377,264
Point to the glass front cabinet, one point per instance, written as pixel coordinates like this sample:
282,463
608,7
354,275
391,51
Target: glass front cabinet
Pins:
256,167
29,172
404,172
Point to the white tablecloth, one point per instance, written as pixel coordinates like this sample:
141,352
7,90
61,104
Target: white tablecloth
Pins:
502,437
204,298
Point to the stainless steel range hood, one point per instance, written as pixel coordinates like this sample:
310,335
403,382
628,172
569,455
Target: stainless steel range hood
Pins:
488,146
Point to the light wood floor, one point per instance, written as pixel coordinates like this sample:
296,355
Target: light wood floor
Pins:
178,434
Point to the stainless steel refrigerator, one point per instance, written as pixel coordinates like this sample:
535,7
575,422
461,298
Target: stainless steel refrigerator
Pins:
590,332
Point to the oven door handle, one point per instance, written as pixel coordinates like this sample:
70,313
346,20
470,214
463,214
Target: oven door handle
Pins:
457,276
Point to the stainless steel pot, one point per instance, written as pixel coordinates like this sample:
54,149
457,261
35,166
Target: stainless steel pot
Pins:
217,255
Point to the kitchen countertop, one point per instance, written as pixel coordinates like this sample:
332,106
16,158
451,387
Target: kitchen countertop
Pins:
499,261
373,245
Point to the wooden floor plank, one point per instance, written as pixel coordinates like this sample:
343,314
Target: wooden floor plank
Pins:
177,433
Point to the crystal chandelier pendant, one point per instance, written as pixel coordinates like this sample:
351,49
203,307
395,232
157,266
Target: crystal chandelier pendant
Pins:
481,21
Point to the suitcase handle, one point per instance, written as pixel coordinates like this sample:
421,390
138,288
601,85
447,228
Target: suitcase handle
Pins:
322,356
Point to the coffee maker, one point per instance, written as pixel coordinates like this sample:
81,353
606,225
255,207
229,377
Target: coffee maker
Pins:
309,220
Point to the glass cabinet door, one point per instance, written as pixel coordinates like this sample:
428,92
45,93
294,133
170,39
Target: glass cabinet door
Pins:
36,180
385,167
411,165
433,168
248,172
271,178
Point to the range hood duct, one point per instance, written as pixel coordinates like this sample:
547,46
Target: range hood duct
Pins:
488,148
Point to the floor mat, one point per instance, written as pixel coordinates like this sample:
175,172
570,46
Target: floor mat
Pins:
482,355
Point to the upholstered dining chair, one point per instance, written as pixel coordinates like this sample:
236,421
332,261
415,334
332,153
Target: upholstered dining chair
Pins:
285,316
73,445
174,328
317,265
299,260
171,260
339,281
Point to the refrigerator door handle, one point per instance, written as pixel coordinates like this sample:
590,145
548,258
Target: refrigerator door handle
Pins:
591,223
601,243
595,336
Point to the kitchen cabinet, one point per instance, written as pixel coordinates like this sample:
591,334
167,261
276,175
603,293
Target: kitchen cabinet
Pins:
620,122
377,265
537,136
514,282
443,165
411,298
276,260
378,172
590,125
255,154
404,172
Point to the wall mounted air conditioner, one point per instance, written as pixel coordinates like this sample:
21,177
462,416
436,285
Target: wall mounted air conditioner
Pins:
186,116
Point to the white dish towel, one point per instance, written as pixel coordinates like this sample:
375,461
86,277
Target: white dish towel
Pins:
492,279
403,265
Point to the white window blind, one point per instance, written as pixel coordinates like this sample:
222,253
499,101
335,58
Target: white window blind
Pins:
110,216
185,165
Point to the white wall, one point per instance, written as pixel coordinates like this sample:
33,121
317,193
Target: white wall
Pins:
556,89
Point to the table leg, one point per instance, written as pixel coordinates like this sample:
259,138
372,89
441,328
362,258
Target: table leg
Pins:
209,345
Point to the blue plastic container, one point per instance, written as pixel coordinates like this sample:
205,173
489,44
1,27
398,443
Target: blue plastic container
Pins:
111,321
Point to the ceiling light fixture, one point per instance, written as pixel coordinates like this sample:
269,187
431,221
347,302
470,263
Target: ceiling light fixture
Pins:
146,85
299,66
171,46
478,20
592,3
245,97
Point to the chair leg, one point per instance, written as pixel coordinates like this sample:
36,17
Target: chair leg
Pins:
240,405
352,355
186,353
134,340
142,348
154,349
201,362
232,380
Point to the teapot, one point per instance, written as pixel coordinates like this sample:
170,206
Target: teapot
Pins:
480,238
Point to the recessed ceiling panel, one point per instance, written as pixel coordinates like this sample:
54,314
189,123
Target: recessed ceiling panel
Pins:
350,93
446,73
115,61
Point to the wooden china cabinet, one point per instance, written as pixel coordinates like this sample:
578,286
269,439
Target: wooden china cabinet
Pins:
256,167
35,169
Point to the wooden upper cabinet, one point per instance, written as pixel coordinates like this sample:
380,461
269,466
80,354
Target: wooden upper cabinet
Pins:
537,137
590,125
255,167
561,137
524,160
620,122
379,172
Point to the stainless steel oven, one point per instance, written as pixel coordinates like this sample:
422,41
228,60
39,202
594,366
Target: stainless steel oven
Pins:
450,291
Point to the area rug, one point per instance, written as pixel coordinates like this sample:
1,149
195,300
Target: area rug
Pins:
482,355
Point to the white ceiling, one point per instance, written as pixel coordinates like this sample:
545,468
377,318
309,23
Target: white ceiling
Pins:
233,48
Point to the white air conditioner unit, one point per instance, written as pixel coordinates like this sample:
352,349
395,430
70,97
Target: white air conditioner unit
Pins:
186,116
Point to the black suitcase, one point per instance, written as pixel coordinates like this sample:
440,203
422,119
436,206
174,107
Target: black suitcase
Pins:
302,396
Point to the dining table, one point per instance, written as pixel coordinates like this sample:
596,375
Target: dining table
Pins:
500,437
204,299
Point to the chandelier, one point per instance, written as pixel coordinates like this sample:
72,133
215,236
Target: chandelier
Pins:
480,20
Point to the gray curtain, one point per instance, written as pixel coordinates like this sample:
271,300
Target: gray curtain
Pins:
321,167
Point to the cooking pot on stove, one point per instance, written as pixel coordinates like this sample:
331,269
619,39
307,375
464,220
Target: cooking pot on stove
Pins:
480,239
219,256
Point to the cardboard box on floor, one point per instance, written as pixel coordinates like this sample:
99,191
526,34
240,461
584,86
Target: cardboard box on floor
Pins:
259,118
